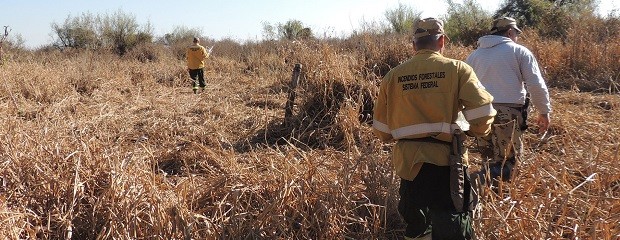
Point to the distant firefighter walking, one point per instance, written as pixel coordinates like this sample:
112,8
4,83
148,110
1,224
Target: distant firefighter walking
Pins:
196,55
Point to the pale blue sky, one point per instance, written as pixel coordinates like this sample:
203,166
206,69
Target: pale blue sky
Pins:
236,19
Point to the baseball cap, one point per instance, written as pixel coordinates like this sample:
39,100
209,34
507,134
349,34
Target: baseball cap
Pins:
504,23
428,27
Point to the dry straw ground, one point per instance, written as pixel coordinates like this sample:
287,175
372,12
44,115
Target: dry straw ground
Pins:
94,146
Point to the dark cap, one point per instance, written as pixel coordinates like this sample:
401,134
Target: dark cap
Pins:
504,23
428,27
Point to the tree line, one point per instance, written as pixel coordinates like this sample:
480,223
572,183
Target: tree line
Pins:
465,22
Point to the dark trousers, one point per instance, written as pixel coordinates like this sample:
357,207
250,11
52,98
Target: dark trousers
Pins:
198,76
426,206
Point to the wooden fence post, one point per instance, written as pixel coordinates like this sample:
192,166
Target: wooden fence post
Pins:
288,114
2,38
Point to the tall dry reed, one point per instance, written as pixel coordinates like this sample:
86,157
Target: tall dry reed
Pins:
94,146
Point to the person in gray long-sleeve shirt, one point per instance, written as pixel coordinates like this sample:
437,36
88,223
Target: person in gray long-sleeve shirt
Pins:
506,69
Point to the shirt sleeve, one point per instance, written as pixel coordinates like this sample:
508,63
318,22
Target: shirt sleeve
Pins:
204,53
187,52
534,82
476,102
379,123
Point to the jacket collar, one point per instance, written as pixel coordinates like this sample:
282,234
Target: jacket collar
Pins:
427,51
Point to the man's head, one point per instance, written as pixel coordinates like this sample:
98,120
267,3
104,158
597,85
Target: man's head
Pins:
196,40
429,34
505,26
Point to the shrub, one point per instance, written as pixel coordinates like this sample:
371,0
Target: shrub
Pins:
402,18
466,22
119,32
149,52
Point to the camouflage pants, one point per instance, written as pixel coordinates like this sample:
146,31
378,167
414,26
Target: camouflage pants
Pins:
501,149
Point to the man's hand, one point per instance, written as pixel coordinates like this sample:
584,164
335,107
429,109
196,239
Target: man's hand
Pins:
543,122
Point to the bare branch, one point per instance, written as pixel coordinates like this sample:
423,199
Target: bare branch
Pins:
7,30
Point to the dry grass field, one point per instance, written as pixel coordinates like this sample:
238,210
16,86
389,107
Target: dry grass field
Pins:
96,146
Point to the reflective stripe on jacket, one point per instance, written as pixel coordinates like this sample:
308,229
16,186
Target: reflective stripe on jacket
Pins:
421,98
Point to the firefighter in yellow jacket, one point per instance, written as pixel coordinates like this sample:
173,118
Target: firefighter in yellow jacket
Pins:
417,106
196,55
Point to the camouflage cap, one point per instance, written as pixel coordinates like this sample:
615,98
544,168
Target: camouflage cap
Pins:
504,23
427,27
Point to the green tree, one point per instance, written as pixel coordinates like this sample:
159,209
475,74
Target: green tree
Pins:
402,18
122,32
181,34
290,30
77,32
466,22
269,31
119,32
294,30
551,18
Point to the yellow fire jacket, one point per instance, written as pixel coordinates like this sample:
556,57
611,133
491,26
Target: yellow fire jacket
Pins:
421,98
196,55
